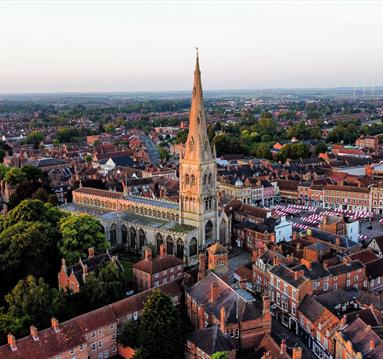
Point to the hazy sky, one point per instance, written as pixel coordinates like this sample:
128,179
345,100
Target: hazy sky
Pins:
60,46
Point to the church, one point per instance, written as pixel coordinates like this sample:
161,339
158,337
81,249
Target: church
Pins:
186,227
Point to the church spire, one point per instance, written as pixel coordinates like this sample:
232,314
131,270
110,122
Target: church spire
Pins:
197,144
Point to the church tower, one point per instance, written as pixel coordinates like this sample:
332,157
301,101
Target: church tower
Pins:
198,172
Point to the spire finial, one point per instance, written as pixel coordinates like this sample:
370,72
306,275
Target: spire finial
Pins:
196,50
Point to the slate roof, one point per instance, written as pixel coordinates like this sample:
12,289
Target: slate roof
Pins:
287,274
211,340
345,267
360,334
157,264
239,304
375,269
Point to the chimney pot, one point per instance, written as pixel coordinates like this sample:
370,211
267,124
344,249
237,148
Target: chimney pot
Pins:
148,253
372,344
223,320
12,342
34,332
297,353
162,250
283,346
55,324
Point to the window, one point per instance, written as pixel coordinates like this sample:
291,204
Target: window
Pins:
315,285
348,283
106,354
156,275
93,335
293,309
302,320
99,343
135,315
94,346
129,316
72,351
294,294
164,272
335,286
156,283
112,326
114,337
365,283
114,349
318,336
99,331
82,347
325,287
171,269
278,283
278,298
325,343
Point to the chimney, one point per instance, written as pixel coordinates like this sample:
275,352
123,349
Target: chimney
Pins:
255,254
148,253
242,283
337,241
12,342
298,274
372,344
162,250
283,346
201,265
214,292
343,321
223,320
63,265
34,333
297,353
276,261
84,272
90,252
266,304
55,324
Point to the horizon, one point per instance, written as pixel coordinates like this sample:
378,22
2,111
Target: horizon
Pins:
125,47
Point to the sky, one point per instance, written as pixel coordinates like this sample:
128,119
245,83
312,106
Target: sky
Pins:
103,46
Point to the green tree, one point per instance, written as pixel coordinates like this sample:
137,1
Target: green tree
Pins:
220,355
321,147
164,154
129,335
31,300
78,233
109,128
160,318
34,138
3,171
181,136
14,176
32,173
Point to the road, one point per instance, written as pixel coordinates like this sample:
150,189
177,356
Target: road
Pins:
152,150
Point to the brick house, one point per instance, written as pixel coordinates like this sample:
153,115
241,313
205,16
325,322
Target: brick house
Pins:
152,272
211,301
348,275
205,342
90,335
288,287
367,141
318,325
334,224
357,341
218,260
74,277
252,235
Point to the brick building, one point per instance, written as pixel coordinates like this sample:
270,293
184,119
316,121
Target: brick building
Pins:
371,142
152,272
92,335
211,301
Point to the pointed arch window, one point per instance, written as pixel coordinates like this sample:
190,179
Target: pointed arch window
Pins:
192,179
210,178
187,179
205,179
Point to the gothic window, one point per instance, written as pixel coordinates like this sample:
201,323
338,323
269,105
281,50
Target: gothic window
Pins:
180,248
124,234
208,232
209,178
132,237
222,232
169,245
141,238
187,179
205,179
193,247
192,180
113,234
159,241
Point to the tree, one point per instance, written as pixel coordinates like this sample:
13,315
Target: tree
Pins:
321,147
32,173
78,233
181,136
34,138
14,176
164,154
129,335
159,319
31,300
3,171
220,355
